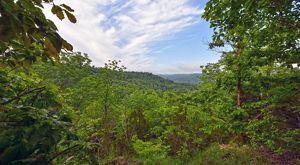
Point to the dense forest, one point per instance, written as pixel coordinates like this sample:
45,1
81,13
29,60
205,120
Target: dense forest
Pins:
192,78
56,108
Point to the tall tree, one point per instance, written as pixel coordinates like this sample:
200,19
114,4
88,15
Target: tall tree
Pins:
264,37
266,28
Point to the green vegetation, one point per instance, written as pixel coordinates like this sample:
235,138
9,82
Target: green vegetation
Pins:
183,78
55,108
151,81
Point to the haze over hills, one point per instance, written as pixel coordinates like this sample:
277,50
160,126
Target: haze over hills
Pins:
157,82
192,78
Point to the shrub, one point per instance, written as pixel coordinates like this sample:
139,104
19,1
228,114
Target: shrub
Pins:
150,152
230,154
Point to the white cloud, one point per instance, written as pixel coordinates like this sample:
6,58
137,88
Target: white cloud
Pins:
118,29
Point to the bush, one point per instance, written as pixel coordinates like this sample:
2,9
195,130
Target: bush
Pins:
150,152
230,154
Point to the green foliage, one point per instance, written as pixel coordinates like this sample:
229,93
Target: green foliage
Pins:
150,81
266,27
183,78
150,152
72,112
33,122
231,154
111,110
257,72
217,154
26,35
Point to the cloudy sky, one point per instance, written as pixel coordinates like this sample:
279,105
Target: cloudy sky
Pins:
159,36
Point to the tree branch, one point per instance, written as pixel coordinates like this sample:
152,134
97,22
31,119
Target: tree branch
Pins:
23,94
63,152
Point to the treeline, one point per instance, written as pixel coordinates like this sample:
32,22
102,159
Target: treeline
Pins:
149,80
77,66
56,108
192,78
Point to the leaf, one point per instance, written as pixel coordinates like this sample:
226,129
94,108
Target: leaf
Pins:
27,4
67,7
56,41
55,9
67,45
37,2
71,17
58,12
60,15
51,49
52,25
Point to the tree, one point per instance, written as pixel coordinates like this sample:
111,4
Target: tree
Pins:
264,37
26,34
264,29
33,123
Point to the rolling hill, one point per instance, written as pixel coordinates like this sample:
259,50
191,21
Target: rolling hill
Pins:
183,78
151,81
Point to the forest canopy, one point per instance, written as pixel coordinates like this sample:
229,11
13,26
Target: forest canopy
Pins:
57,108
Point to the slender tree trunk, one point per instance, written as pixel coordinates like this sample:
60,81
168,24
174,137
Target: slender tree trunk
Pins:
239,86
239,92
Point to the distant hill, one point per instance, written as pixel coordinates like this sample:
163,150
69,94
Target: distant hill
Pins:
183,78
67,75
151,81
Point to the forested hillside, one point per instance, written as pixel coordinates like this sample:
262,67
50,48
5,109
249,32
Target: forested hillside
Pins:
56,108
75,67
183,78
151,81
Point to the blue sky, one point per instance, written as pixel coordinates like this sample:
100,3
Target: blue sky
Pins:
189,47
159,36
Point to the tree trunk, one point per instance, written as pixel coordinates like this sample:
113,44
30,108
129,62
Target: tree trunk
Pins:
239,91
239,88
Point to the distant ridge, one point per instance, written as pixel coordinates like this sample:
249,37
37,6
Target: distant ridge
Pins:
192,78
147,80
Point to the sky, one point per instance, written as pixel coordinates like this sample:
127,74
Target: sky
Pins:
158,36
